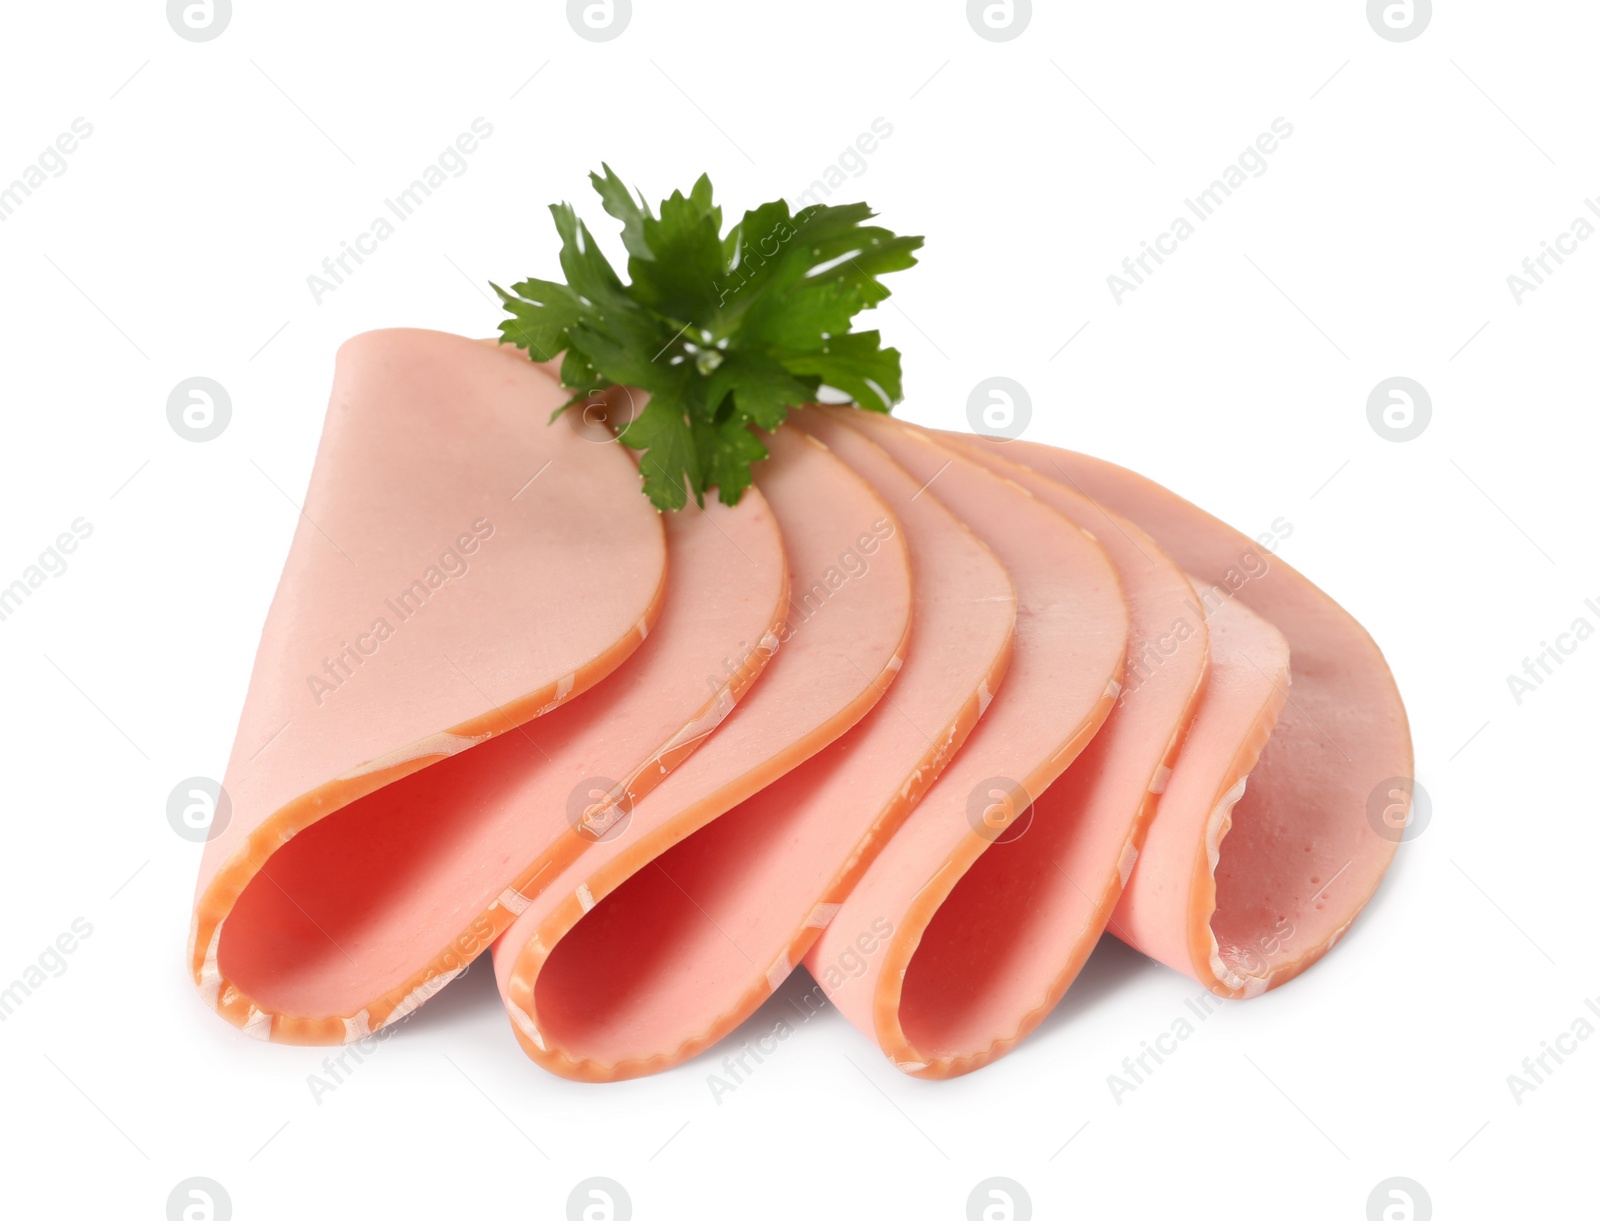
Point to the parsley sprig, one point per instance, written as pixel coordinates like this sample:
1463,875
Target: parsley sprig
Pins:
725,331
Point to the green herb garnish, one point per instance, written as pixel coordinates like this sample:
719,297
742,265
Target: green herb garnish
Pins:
725,332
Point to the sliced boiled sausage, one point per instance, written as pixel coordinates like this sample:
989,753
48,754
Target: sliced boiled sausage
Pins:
378,842
616,968
1316,826
954,975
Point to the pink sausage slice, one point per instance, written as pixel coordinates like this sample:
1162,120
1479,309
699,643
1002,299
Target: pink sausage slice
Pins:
936,1006
1304,853
1091,823
363,896
1167,909
735,905
620,967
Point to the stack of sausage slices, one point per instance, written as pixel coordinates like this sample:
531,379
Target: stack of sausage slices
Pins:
927,713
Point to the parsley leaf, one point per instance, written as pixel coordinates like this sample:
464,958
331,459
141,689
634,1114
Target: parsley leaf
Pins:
725,332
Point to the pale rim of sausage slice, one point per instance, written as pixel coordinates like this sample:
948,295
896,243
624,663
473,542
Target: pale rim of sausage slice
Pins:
619,1012
402,868
1313,833
736,905
1066,666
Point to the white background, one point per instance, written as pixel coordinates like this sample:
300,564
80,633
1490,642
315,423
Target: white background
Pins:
1419,176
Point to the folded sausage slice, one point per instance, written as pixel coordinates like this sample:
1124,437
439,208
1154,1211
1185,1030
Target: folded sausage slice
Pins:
1166,912
385,871
733,907
956,974
1302,852
1091,824
640,954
